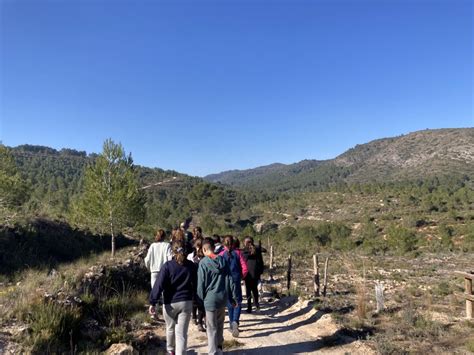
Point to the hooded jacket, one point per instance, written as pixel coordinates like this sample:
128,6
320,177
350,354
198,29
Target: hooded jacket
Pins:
215,286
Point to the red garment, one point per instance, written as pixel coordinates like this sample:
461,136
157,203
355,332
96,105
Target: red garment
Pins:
243,263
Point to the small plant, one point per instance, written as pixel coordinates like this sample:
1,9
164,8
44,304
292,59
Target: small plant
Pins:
53,326
117,335
470,345
233,343
443,288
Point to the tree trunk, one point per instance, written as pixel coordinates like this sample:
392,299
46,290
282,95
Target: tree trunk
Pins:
112,235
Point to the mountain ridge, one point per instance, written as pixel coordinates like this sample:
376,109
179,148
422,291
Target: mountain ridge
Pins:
410,156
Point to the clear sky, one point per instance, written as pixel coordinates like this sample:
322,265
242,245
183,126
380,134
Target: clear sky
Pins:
206,86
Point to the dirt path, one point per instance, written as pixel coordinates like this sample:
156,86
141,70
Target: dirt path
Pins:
283,327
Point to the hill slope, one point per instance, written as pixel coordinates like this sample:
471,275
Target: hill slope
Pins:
416,155
56,178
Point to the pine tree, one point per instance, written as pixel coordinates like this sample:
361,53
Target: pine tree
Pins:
112,199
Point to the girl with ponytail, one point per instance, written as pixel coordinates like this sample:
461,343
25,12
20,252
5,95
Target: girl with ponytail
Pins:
177,283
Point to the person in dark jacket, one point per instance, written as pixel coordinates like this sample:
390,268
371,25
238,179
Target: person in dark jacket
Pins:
215,289
177,282
253,255
198,308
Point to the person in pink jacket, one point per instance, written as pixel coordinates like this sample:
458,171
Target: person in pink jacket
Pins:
238,270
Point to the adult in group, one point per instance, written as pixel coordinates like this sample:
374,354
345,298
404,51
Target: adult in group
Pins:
216,289
184,226
253,256
238,271
197,233
177,282
159,253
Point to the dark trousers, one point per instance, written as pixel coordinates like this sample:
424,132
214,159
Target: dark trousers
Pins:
198,313
251,287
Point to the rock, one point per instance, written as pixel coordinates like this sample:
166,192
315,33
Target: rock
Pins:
121,349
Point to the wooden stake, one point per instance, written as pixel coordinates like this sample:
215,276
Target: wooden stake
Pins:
468,291
271,263
325,281
316,275
288,275
379,296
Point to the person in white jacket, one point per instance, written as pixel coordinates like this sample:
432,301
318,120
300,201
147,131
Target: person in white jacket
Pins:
158,254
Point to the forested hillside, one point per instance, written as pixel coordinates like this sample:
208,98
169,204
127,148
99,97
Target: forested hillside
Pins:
56,177
415,156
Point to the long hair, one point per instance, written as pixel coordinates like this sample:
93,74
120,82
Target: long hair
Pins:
160,235
178,252
198,248
179,236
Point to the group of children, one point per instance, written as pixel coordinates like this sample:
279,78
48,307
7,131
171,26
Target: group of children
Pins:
199,277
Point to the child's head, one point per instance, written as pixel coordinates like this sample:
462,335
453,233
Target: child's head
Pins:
208,246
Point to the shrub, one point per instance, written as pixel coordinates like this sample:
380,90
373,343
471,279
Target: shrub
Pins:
401,239
53,326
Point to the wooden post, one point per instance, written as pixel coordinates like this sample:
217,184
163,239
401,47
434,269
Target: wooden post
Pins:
270,269
468,294
468,291
271,257
379,296
325,281
316,275
288,275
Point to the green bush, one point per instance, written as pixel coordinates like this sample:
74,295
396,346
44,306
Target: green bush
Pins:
53,326
401,240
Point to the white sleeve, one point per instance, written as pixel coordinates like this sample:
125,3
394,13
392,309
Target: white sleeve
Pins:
147,258
169,255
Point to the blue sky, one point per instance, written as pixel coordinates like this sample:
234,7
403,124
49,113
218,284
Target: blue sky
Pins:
206,86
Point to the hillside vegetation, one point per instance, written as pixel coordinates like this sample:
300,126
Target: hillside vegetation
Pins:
56,179
397,210
417,155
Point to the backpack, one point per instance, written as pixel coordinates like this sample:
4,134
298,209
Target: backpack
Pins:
234,264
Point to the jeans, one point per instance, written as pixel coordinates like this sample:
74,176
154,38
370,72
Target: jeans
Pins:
177,316
234,312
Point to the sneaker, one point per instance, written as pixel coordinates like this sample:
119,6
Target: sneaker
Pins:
235,329
201,328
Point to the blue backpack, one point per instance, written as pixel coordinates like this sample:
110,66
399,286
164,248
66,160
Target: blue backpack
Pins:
234,264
